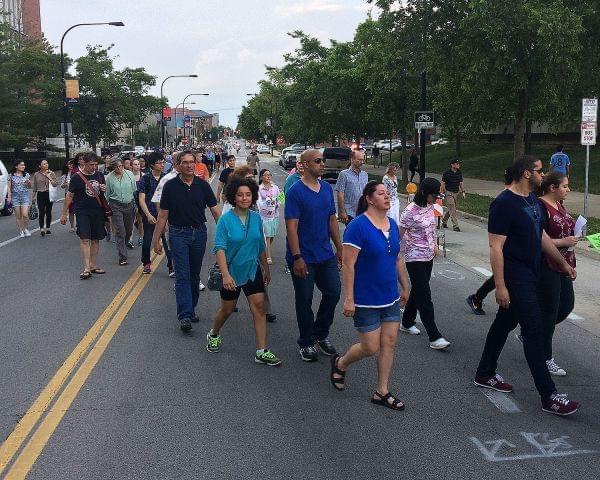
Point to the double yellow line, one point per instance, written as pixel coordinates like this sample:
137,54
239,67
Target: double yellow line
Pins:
82,361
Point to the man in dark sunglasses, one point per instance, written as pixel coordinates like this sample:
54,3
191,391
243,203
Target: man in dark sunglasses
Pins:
311,227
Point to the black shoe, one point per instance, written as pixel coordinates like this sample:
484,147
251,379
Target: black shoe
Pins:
456,229
42,233
48,232
475,305
130,245
444,225
271,318
309,354
122,262
186,325
327,347
194,319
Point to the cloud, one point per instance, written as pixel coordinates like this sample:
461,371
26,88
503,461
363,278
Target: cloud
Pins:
316,6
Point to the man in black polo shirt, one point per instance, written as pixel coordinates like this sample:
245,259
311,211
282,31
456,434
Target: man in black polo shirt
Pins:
452,184
183,202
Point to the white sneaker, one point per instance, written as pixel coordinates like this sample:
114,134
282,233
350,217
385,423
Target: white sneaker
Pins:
22,234
554,369
27,233
201,286
439,344
411,330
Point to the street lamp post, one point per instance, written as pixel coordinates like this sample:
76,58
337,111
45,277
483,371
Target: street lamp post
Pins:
63,73
162,111
423,77
186,97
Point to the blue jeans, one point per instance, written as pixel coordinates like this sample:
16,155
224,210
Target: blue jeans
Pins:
187,246
326,277
524,310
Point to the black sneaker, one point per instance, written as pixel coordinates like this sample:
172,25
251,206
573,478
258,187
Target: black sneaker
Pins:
186,325
194,318
122,262
456,229
271,318
309,354
327,347
475,305
130,245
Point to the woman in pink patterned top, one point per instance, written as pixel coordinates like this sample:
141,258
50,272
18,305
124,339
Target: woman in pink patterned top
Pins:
555,289
268,208
417,230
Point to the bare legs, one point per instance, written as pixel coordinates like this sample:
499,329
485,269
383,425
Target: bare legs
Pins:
256,303
22,217
380,342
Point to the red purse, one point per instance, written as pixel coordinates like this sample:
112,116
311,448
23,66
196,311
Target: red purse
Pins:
101,199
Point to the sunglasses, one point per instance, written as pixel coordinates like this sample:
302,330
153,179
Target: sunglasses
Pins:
317,160
538,170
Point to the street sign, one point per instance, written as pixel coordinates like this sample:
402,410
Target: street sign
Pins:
167,114
588,133
424,119
187,121
589,110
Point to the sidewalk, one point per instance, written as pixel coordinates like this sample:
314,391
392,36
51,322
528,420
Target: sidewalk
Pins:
573,203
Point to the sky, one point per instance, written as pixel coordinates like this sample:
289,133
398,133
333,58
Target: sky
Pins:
226,43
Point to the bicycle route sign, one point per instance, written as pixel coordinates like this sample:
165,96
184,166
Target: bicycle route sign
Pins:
424,119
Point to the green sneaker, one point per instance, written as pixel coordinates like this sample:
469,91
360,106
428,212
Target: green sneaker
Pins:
268,358
213,344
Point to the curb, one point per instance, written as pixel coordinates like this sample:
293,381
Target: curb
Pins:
585,251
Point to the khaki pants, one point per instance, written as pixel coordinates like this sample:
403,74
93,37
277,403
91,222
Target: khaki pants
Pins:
451,204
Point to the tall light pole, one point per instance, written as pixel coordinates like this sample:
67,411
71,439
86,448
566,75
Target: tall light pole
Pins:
62,76
186,97
162,111
191,103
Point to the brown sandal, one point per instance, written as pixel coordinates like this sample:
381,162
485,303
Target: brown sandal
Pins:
98,271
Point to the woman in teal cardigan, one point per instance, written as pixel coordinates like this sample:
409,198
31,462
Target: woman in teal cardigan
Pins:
240,251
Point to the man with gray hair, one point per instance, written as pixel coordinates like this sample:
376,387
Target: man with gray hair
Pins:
349,187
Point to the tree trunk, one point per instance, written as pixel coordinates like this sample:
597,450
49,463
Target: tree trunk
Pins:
458,146
404,159
528,137
520,124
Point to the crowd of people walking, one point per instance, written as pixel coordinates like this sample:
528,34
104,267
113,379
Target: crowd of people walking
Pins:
385,253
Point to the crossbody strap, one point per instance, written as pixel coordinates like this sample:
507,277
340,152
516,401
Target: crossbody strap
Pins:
89,185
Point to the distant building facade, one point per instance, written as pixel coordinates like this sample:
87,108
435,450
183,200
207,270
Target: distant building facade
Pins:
23,16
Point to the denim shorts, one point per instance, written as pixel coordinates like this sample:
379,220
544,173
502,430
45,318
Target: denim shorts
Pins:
21,199
369,319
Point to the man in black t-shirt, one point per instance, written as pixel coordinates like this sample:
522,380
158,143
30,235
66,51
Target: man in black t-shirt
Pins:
224,176
452,184
85,194
183,202
517,240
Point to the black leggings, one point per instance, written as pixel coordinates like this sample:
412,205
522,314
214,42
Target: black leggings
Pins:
45,209
420,299
485,289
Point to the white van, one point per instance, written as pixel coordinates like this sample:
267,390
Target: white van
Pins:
3,184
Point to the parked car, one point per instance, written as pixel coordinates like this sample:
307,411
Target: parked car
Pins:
440,141
262,148
288,160
5,207
335,159
296,146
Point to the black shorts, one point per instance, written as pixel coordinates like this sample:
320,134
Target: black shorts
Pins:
90,225
252,287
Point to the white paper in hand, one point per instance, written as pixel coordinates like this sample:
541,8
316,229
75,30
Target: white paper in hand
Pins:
579,227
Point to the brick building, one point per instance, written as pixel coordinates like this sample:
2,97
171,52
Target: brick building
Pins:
23,16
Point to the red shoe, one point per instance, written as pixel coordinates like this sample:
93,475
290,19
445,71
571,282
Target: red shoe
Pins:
559,404
147,270
494,383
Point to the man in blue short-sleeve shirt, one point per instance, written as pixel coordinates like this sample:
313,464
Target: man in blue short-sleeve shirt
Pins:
560,162
311,227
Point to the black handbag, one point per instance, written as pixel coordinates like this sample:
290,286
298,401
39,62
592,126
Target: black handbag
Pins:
33,212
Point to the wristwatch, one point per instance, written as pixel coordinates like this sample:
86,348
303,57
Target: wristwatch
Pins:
298,256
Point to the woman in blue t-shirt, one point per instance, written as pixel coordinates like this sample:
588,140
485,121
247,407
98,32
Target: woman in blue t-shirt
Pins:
240,250
372,266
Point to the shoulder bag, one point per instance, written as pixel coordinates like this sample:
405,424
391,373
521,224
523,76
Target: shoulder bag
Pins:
101,199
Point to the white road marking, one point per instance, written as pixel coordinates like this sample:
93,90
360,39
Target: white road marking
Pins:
7,242
501,401
484,271
574,317
451,274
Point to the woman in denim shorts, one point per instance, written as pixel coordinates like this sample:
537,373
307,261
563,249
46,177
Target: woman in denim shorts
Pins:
372,267
18,195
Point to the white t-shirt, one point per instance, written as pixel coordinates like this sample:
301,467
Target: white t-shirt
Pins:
159,188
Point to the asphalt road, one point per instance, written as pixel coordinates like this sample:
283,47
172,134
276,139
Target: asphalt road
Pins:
157,405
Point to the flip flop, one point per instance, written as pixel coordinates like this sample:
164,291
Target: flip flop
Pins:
98,271
85,275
